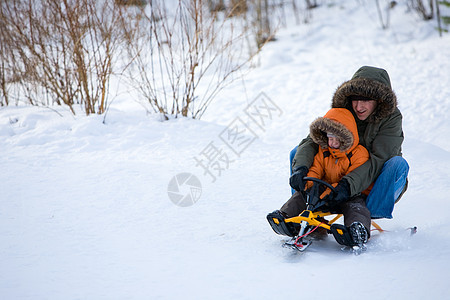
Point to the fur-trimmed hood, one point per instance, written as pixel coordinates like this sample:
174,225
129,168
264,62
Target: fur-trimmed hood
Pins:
372,83
339,122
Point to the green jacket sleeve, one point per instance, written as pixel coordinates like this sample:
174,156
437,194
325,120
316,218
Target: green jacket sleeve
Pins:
306,151
383,140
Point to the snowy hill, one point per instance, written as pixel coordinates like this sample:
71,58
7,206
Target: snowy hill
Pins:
85,211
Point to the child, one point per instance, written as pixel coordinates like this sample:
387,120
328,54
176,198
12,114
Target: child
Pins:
339,154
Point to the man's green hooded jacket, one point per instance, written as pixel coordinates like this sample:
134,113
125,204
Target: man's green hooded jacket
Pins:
381,133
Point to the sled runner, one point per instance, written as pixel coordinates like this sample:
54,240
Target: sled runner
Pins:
312,219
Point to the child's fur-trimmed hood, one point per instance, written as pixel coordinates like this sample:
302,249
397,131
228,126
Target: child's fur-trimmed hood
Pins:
339,122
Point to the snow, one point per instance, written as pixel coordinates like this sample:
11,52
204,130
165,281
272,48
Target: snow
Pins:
85,211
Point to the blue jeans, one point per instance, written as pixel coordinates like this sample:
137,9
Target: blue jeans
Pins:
291,158
387,188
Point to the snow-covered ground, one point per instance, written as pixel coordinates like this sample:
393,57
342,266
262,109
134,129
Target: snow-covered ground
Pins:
85,211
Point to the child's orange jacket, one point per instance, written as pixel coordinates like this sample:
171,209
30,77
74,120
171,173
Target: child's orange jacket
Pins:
331,164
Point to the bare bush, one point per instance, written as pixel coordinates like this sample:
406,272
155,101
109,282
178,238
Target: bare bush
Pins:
426,11
237,8
59,51
263,24
132,2
181,61
5,70
64,52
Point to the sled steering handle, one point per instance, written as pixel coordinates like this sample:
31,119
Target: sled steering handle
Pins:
321,182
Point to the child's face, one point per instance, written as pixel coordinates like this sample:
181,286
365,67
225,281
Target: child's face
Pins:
333,142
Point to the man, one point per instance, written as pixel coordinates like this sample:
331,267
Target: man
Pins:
370,98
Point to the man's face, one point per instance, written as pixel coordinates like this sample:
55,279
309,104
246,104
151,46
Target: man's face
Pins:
364,108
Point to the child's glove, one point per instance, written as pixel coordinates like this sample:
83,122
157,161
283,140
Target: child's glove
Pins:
296,180
342,193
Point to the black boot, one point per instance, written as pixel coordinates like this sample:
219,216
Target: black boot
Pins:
276,221
358,233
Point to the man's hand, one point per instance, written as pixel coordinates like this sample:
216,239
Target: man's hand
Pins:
296,180
342,193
